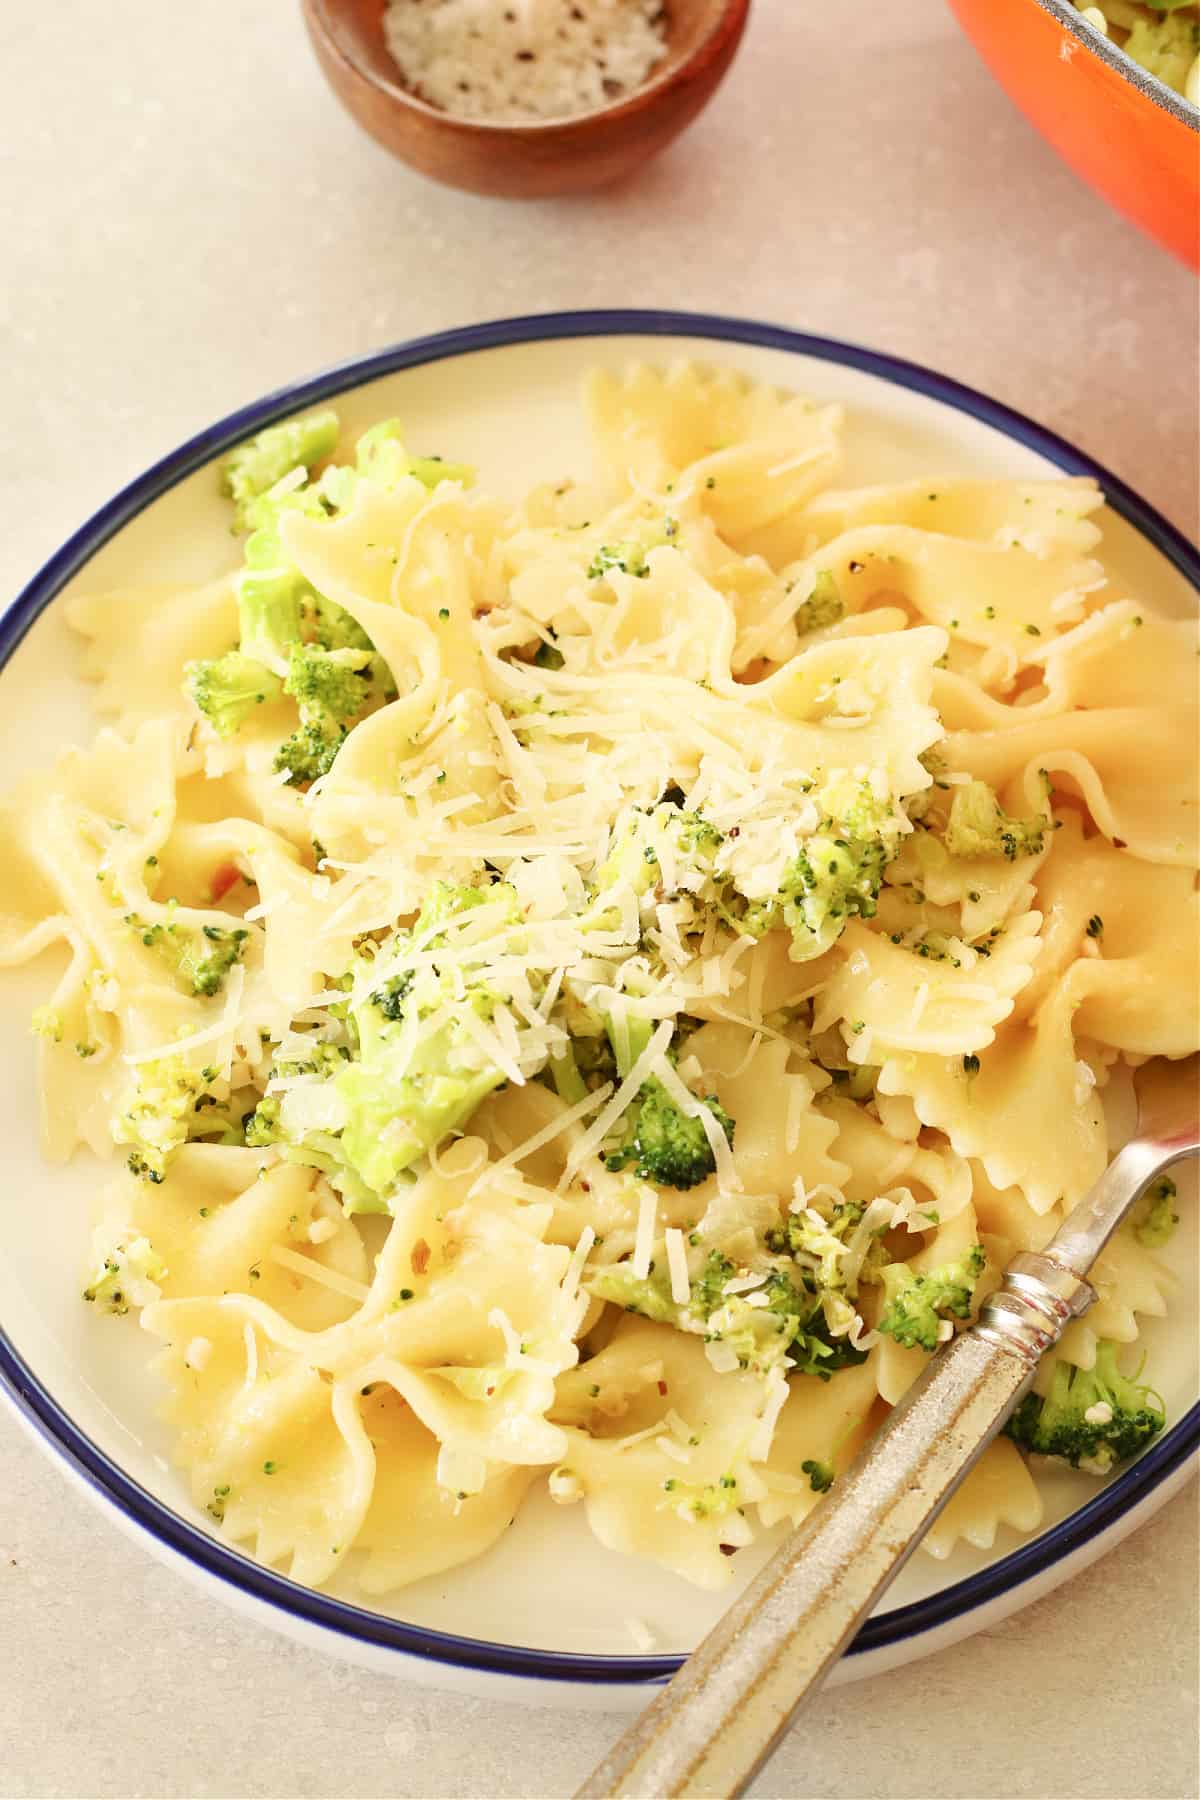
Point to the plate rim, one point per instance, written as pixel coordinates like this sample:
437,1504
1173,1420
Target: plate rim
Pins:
108,1482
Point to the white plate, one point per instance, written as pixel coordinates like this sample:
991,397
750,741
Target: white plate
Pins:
546,1610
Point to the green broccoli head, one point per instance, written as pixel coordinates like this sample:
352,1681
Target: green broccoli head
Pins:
978,826
1091,1418
629,557
822,1235
128,1275
330,689
201,959
335,629
782,1320
159,1113
666,1145
395,1115
327,685
1153,1219
309,753
915,1305
820,1475
253,468
824,605
274,600
207,960
380,456
405,1092
1167,43
837,875
229,688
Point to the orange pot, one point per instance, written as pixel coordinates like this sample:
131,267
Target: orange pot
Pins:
1133,138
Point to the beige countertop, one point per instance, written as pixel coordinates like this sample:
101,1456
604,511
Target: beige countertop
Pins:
188,220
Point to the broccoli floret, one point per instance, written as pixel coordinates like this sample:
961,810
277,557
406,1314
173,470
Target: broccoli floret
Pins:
202,959
978,826
812,1346
334,629
46,1023
274,600
412,1070
327,684
1090,1418
255,467
629,557
390,997
791,1323
915,1305
1153,1219
287,1123
309,753
824,605
402,1095
837,875
330,689
548,656
219,951
823,1238
380,456
229,688
820,1475
633,864
128,1274
158,1114
665,1144
1166,44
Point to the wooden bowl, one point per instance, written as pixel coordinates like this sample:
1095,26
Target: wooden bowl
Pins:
555,156
1130,136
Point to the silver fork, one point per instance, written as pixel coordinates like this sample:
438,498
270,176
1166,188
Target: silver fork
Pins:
714,1726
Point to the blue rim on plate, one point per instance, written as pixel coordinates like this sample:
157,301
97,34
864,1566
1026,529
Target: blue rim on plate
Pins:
37,1405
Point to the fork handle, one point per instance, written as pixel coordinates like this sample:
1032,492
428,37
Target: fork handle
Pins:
712,1728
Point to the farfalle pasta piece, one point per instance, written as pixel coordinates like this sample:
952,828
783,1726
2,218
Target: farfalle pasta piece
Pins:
999,597
1121,656
416,1525
141,639
999,1491
1131,1283
897,1000
824,1424
876,1163
781,1138
1123,936
673,1492
1040,516
273,1452
752,455
225,1220
859,702
1029,1113
1103,756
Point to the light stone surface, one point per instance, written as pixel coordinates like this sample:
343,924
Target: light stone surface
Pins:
186,220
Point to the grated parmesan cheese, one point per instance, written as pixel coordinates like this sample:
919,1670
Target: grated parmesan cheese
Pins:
681,1287
511,60
644,1241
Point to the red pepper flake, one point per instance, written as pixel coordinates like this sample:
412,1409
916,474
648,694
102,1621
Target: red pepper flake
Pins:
662,1387
420,1257
223,879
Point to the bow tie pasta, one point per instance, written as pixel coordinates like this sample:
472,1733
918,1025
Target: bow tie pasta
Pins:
593,993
